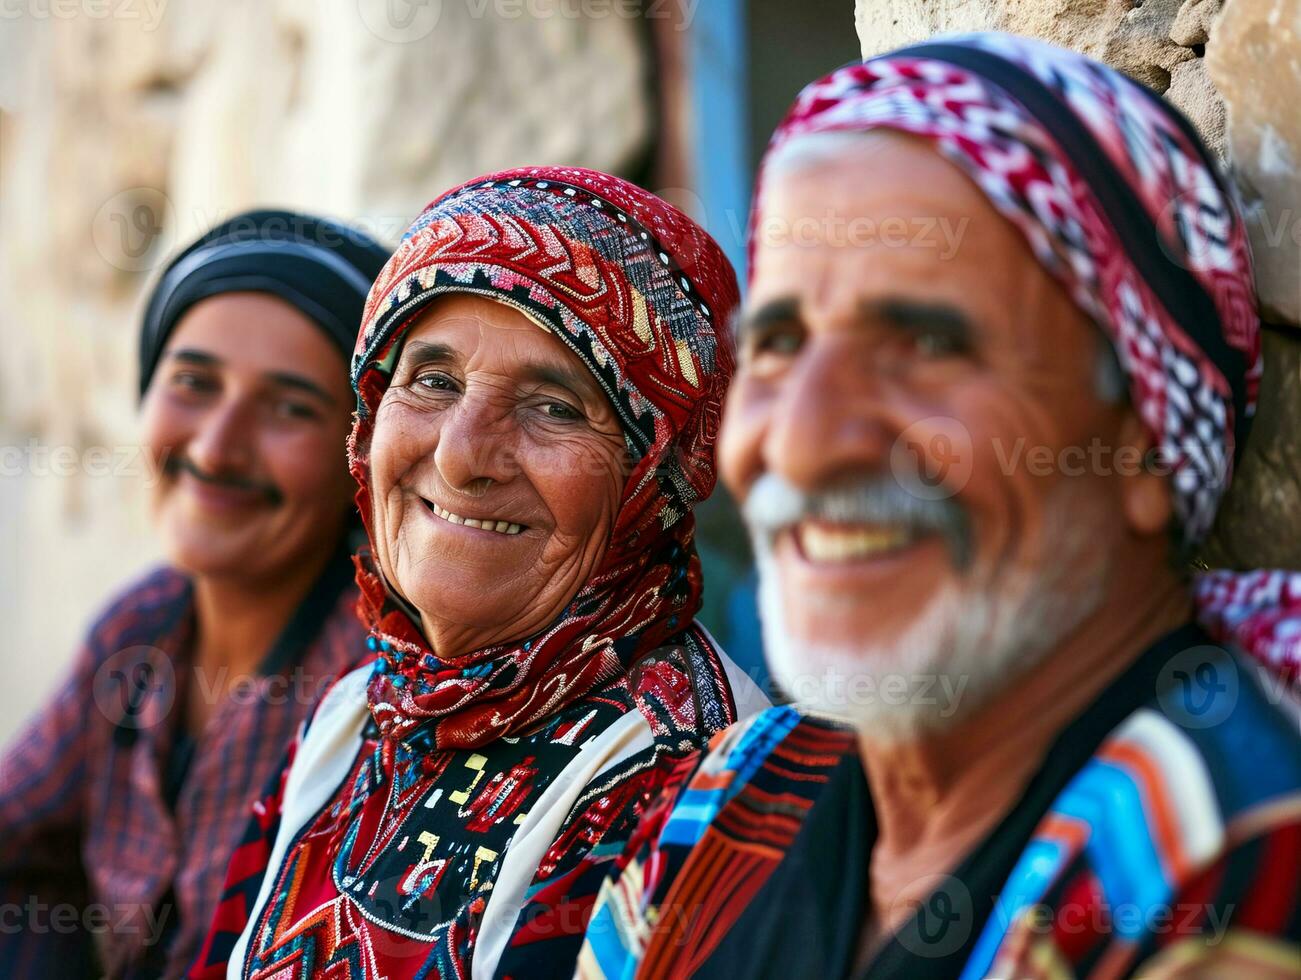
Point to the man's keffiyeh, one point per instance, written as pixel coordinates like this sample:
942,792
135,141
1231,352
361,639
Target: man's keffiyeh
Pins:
1121,202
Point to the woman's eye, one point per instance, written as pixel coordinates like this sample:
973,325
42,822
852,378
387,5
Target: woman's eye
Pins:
435,382
191,381
559,410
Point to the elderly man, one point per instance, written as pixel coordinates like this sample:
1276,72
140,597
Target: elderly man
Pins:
998,356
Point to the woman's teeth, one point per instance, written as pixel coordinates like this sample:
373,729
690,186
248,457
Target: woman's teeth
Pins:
501,527
848,542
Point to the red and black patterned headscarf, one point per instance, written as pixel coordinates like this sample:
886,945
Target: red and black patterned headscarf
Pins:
643,296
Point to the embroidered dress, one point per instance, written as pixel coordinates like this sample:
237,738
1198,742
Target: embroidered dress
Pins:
1141,842
455,818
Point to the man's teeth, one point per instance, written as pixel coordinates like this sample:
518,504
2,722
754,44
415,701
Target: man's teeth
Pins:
849,542
501,527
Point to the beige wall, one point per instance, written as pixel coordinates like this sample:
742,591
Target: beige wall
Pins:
127,126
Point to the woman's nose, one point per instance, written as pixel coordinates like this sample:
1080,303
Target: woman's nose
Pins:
476,444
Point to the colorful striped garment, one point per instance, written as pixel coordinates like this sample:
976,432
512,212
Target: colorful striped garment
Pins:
533,822
1163,830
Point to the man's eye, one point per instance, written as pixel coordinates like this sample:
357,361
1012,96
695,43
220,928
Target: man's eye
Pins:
934,343
779,341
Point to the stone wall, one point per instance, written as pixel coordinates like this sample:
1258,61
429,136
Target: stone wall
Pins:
1234,68
128,126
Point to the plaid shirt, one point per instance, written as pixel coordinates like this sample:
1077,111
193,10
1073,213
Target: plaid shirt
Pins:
89,845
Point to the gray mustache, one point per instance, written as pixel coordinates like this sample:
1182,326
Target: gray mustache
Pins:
773,505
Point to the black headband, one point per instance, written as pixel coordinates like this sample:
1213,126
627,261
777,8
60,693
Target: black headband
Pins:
320,267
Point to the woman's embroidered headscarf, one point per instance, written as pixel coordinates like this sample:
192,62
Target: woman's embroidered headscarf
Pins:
1122,203
643,296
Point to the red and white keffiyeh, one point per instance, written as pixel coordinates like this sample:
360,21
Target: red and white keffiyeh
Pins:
1120,201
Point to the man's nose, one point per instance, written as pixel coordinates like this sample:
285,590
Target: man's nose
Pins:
829,420
477,444
224,440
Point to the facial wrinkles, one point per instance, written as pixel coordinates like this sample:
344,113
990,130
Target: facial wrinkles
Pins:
1015,422
486,446
974,632
1032,331
1040,409
1005,411
1019,386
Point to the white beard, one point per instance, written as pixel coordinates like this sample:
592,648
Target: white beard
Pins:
967,642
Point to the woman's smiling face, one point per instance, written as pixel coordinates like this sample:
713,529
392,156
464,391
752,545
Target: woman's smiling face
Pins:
246,419
497,465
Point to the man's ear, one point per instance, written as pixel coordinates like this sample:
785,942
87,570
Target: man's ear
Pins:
1146,493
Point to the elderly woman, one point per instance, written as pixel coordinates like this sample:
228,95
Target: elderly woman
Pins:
539,381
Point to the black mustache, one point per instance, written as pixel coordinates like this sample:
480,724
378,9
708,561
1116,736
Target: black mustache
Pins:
175,465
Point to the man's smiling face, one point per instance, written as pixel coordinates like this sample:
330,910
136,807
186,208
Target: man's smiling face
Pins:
885,381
